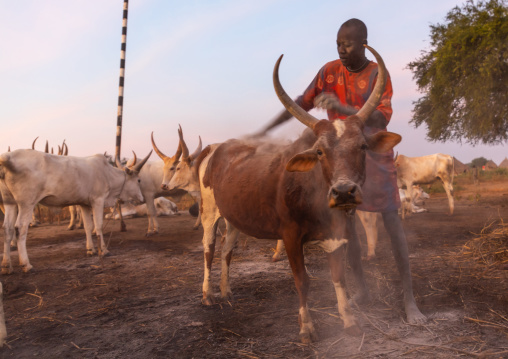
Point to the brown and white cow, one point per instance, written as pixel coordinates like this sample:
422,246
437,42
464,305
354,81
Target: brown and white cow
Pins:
29,177
304,193
425,170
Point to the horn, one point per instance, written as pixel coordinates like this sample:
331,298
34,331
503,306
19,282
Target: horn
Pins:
118,162
66,152
299,113
157,151
33,143
185,150
196,153
51,150
9,149
132,162
140,164
46,149
396,155
370,105
60,150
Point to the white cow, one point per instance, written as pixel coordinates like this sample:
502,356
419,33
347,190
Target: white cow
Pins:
28,177
159,174
163,207
425,170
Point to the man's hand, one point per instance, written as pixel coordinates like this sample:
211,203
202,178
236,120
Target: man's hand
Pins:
329,101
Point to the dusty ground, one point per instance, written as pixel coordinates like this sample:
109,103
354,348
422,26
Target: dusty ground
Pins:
144,301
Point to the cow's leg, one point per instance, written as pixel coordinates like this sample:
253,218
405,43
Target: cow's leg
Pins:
210,222
153,223
336,260
294,250
198,222
354,254
369,222
278,250
3,329
400,251
123,227
11,212
72,221
226,255
22,224
98,217
448,187
86,214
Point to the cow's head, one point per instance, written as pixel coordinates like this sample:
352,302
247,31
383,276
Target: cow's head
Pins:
184,176
130,190
341,146
169,163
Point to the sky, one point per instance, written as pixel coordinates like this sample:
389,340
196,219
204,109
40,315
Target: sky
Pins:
204,65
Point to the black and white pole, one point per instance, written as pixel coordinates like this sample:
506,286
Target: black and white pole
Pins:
123,227
121,81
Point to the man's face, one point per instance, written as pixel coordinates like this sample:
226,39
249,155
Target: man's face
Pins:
350,47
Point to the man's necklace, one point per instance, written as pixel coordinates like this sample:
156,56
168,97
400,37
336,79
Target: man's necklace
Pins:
360,68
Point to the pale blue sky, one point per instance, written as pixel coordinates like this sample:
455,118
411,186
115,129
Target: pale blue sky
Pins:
206,65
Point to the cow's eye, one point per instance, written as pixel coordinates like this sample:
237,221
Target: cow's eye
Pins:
139,181
319,152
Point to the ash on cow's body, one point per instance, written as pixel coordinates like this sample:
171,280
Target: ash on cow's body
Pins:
29,177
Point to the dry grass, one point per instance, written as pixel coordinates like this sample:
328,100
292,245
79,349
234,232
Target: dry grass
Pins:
490,247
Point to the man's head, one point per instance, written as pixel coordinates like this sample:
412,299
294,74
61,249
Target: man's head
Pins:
351,37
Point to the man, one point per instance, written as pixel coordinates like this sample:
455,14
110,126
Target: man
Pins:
342,87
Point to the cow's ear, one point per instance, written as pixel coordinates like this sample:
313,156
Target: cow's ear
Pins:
382,141
128,171
302,162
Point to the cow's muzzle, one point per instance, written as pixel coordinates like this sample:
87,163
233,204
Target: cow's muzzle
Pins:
345,195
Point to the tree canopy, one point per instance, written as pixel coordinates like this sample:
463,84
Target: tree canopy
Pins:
464,76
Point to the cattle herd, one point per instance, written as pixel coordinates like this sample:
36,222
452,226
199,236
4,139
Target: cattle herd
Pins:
302,193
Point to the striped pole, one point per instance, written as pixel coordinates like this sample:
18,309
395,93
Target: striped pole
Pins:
121,81
123,227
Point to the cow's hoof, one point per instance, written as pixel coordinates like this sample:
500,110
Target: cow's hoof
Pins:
7,270
208,300
307,338
26,268
71,228
195,228
148,234
105,254
90,253
229,297
276,258
354,331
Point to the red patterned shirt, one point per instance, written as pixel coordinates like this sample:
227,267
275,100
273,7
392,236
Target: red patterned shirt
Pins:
380,189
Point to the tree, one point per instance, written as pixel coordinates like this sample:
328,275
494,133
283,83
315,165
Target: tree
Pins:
479,162
464,76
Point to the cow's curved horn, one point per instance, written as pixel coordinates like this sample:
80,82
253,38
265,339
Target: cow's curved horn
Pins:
185,150
60,150
289,104
118,162
141,164
131,163
370,105
198,150
157,151
66,152
33,143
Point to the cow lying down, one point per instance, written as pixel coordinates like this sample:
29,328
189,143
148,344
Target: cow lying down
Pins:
163,207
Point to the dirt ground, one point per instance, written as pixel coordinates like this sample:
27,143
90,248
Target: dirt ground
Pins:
144,300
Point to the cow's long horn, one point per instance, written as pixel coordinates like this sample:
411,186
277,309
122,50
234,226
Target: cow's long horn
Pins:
196,153
46,149
33,143
185,150
9,149
118,162
374,98
157,151
60,150
141,164
66,152
289,104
